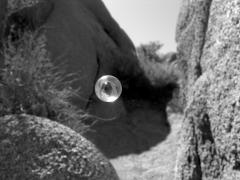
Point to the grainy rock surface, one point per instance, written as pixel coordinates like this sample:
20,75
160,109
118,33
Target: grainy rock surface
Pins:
208,34
36,148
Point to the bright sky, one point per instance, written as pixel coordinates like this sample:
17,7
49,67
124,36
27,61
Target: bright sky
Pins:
147,20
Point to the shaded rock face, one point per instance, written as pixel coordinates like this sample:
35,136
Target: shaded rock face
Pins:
208,34
84,39
37,148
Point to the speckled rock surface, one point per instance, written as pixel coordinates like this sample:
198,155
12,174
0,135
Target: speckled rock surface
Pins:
208,43
36,148
190,35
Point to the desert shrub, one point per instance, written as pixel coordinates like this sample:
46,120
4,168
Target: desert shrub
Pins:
148,52
31,84
161,70
157,67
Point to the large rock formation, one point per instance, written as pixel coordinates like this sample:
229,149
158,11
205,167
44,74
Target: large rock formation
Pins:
208,34
84,39
37,148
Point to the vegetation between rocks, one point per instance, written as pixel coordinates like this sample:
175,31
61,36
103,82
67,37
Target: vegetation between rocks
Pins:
31,84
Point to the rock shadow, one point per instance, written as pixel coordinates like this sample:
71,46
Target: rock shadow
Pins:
143,126
133,134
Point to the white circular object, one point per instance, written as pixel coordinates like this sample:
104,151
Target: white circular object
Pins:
108,88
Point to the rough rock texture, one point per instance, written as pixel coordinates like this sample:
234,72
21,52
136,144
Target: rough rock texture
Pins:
208,34
35,148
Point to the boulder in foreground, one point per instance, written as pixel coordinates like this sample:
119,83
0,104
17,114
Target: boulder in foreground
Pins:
36,148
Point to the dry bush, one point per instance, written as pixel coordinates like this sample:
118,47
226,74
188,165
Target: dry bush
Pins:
31,84
157,67
161,70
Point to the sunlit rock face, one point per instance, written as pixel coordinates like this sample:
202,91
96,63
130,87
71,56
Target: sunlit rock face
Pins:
208,46
84,39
